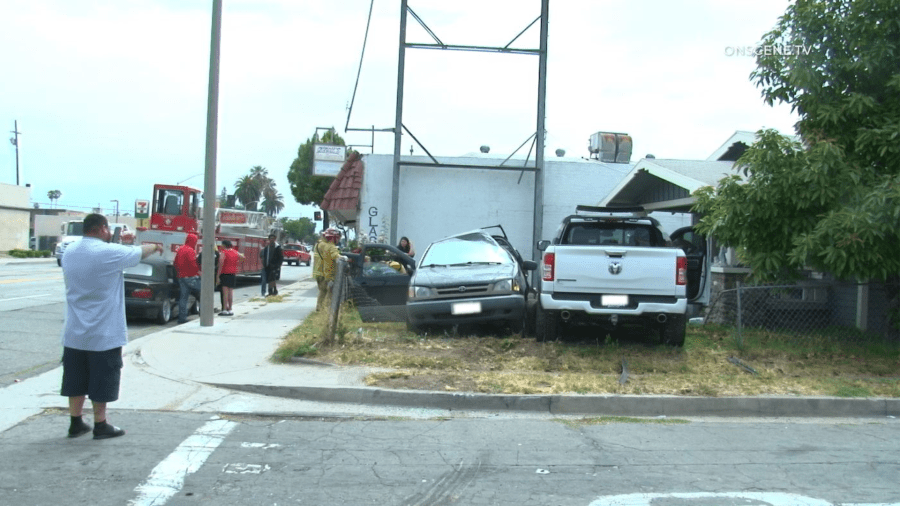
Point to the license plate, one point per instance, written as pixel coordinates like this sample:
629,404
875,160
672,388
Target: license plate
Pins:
465,308
614,300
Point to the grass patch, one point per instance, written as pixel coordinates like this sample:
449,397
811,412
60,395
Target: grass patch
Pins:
831,363
268,298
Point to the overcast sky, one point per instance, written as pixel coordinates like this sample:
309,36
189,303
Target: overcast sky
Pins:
111,96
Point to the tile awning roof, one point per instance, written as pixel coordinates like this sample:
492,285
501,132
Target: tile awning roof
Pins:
343,194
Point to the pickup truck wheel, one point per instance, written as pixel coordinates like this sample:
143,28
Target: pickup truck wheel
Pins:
412,327
547,324
672,333
59,262
307,262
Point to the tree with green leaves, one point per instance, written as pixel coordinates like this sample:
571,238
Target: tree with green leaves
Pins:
223,197
256,190
306,188
830,202
54,195
273,201
302,229
246,190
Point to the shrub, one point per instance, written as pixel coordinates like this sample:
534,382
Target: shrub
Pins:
27,253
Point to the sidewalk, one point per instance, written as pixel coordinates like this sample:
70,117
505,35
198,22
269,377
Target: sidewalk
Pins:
225,368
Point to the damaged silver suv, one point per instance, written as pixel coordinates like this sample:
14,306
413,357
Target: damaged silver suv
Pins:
469,278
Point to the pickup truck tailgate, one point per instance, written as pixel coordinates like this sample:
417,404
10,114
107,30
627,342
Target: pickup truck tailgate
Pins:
617,270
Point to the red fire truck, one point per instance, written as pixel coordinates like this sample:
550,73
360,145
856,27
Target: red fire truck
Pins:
176,212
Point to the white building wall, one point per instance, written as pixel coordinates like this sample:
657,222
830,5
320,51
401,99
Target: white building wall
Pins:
437,202
50,225
15,216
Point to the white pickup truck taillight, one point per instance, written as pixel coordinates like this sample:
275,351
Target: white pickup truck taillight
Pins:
681,271
547,267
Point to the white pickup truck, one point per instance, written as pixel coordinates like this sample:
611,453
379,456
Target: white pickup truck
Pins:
615,267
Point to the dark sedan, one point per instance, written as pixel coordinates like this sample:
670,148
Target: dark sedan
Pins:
151,291
379,281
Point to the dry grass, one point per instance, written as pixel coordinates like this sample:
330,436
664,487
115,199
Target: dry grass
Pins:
839,364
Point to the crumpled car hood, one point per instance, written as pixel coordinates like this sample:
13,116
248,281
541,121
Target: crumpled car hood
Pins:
449,276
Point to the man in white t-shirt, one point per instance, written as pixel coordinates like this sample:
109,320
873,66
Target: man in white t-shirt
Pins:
95,330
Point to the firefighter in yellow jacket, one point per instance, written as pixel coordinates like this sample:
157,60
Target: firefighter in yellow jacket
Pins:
325,256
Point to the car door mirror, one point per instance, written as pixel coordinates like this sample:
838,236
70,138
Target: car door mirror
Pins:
542,245
529,265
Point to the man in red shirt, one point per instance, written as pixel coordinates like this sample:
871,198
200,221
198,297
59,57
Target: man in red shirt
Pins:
188,274
228,262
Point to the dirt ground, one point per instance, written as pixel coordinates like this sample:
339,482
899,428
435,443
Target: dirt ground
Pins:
708,365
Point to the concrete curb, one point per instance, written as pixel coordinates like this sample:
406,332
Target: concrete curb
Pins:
22,261
599,405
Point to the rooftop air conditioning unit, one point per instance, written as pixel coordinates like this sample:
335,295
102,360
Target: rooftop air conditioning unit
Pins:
610,147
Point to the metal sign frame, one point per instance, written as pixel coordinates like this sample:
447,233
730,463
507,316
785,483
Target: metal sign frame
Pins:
538,136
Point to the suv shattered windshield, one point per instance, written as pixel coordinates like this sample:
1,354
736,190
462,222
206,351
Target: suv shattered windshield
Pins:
472,249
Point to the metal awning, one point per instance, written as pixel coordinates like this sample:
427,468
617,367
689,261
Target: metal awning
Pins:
666,185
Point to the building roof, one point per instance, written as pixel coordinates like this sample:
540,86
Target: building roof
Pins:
666,184
736,144
342,197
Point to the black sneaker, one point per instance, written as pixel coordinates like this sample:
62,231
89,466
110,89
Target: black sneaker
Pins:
107,431
79,430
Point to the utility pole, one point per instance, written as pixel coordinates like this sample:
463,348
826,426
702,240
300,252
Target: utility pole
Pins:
209,184
117,209
15,142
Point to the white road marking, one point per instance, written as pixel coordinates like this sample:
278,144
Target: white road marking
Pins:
264,446
168,476
245,468
769,498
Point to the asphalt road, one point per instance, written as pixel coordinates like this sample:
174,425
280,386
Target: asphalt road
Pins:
195,458
32,310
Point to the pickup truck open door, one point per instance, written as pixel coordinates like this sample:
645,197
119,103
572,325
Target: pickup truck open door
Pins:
697,249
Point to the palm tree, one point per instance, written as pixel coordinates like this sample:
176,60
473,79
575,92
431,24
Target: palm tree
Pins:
246,190
259,173
273,202
256,190
54,195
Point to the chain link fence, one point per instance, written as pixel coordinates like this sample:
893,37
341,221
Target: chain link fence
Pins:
847,311
339,292
346,290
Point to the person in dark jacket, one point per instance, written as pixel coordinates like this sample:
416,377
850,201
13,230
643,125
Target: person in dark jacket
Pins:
272,257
